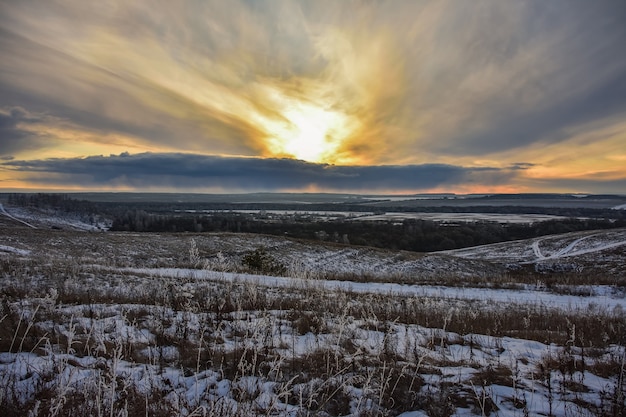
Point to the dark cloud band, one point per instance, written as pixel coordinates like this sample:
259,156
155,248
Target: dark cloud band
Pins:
192,171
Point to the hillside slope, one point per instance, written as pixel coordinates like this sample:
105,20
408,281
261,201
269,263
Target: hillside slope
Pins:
591,251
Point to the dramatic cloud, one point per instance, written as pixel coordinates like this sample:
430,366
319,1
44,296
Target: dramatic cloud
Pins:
192,172
477,84
16,131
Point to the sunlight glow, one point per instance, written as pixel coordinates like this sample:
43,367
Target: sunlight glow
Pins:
308,132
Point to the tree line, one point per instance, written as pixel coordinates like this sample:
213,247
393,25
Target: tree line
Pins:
58,202
410,234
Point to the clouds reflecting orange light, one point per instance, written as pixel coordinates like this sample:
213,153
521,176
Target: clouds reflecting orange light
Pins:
482,84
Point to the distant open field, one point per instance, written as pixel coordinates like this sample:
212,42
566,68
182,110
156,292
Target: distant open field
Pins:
461,217
381,201
515,200
394,216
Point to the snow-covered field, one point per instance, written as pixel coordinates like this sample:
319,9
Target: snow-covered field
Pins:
397,216
329,215
461,217
177,324
549,247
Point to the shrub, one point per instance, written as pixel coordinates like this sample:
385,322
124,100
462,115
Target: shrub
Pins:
260,261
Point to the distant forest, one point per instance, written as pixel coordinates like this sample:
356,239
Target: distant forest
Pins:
412,235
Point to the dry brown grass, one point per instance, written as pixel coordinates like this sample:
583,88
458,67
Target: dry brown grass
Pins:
243,331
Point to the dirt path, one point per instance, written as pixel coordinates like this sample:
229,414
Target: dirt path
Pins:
568,250
4,212
537,250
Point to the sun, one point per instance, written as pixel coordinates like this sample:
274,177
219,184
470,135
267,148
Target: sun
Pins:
309,132
313,133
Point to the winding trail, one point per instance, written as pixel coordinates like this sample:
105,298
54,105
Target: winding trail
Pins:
567,249
4,212
536,249
596,249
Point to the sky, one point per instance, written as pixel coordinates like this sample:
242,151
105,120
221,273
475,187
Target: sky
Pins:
362,96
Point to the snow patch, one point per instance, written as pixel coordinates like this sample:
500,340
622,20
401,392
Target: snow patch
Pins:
456,293
10,249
